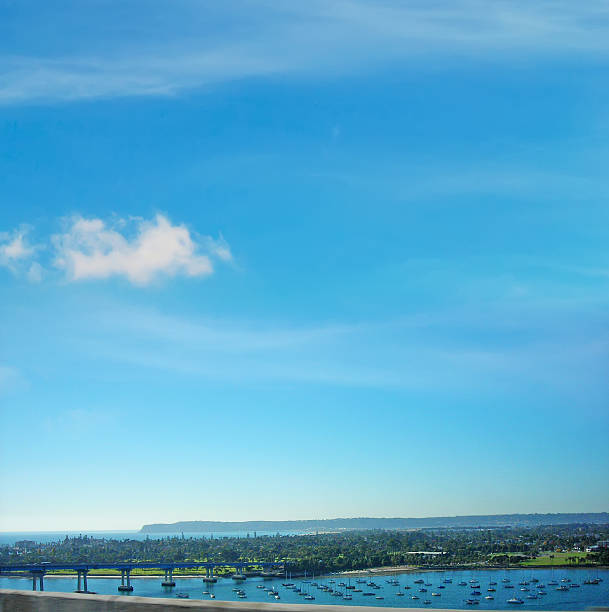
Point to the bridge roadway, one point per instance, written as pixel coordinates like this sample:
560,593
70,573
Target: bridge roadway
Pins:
38,570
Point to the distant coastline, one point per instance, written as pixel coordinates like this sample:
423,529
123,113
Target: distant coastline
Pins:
338,524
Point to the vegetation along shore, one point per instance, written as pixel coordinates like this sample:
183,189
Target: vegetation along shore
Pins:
350,551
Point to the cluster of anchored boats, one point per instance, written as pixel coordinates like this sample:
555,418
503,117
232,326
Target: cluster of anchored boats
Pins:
342,589
269,590
533,587
368,588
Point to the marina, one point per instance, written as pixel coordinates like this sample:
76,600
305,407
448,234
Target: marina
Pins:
538,589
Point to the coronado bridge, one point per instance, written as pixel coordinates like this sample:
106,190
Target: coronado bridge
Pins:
38,570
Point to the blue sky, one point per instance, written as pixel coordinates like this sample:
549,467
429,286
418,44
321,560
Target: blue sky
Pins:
266,261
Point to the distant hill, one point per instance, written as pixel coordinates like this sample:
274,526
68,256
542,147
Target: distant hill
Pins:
492,520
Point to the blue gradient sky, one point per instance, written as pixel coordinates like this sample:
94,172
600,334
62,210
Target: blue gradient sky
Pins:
394,299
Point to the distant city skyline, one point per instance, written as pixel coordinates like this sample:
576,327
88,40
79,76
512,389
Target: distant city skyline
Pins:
271,261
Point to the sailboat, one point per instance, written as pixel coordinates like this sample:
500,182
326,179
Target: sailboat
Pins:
309,597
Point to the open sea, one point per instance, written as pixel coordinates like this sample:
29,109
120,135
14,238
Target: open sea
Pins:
450,594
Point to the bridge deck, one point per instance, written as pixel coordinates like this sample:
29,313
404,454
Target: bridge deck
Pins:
49,567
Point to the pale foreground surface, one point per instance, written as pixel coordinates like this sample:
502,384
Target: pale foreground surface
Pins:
23,601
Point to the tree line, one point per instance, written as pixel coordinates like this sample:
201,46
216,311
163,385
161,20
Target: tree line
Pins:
327,552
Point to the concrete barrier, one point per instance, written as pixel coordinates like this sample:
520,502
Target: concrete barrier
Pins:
36,601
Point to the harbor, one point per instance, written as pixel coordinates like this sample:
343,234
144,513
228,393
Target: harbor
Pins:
538,589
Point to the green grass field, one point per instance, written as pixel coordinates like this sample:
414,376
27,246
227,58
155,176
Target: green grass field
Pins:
557,559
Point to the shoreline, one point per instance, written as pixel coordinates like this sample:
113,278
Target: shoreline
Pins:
376,571
409,569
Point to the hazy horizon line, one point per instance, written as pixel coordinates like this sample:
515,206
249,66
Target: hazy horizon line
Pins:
337,518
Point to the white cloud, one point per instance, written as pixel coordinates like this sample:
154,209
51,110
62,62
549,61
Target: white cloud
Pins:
34,274
220,249
14,247
16,253
192,44
91,249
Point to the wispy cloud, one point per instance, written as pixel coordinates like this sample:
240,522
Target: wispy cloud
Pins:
35,272
16,253
72,422
499,346
91,249
221,336
199,45
14,247
67,79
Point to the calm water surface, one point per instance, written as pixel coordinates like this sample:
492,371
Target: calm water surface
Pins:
451,596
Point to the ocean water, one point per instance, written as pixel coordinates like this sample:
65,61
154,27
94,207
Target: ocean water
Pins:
452,595
44,537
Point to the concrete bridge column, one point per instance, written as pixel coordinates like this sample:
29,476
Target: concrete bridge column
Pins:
38,576
125,573
209,574
168,582
81,583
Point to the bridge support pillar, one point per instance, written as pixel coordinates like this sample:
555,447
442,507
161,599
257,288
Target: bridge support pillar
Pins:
209,574
33,582
41,581
125,573
81,584
168,582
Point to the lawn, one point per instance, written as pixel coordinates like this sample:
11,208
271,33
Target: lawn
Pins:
557,558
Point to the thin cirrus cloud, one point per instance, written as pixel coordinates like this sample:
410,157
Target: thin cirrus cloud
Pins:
446,350
139,250
186,44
